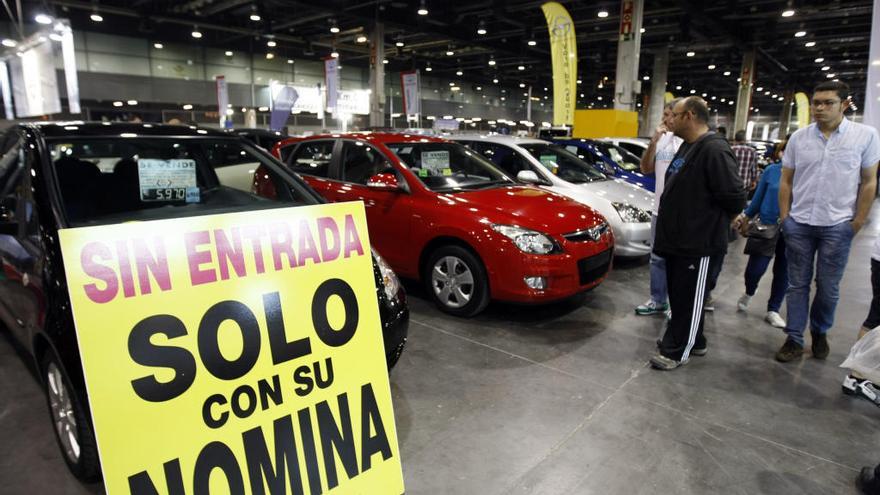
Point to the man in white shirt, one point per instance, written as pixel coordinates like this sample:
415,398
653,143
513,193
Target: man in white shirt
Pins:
829,180
655,161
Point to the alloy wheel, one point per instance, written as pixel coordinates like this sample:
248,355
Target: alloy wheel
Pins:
452,281
62,413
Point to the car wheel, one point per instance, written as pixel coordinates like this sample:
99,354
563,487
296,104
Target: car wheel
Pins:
72,426
456,280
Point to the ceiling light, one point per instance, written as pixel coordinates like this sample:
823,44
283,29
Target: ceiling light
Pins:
255,17
117,103
826,67
334,54
711,67
690,54
187,107
819,60
602,13
830,76
495,81
334,28
384,60
522,85
450,53
703,95
693,91
361,39
459,73
810,44
723,100
800,34
774,95
759,89
43,19
423,10
452,84
196,33
290,61
727,73
8,42
228,53
532,42
646,78
132,102
270,56
678,87
731,102
787,13
520,67
642,30
428,69
713,98
158,46
491,61
781,98
579,81
271,44
766,93
96,17
479,88
481,28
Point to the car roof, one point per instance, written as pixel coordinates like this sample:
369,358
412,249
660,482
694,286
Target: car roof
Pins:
368,136
499,138
116,129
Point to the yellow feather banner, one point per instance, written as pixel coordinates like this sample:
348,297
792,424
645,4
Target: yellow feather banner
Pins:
803,110
563,49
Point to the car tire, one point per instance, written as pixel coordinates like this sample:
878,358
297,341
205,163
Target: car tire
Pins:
463,293
70,422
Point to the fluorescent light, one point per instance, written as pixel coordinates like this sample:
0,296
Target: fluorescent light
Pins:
826,67
270,56
158,46
830,76
521,67
690,54
423,11
678,87
399,44
334,54
787,13
290,61
481,31
759,89
810,44
646,78
711,67
642,30
361,39
228,53
819,60
187,107
132,102
117,103
96,17
384,60
727,73
602,13
495,81
532,42
43,19
255,17
459,73
492,62
196,34
271,44
334,29
449,53
800,34
428,69
263,109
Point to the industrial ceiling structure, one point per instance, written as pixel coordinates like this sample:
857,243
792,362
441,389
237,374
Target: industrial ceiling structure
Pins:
798,42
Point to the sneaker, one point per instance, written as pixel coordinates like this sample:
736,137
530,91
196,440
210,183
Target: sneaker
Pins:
868,481
743,303
820,346
774,319
668,314
861,388
651,308
663,363
709,303
789,351
696,351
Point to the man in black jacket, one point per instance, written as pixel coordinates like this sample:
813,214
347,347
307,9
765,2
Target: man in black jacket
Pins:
703,194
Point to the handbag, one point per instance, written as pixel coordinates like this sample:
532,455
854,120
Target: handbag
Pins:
761,238
762,230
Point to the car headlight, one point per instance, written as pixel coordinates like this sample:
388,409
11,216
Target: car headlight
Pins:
631,214
526,240
390,282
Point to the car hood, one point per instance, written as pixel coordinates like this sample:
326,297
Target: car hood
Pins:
527,207
620,191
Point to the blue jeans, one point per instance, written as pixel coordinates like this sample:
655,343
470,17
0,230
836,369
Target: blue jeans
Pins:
658,271
757,266
828,248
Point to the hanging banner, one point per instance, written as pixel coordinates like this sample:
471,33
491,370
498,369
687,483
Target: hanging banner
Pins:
627,10
222,100
563,47
667,97
872,89
68,57
412,98
331,80
231,353
803,110
281,106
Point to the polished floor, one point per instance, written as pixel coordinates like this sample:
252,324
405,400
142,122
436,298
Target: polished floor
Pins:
560,400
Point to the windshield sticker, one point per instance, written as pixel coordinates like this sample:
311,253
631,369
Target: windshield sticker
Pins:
423,172
447,172
193,195
435,161
548,161
166,180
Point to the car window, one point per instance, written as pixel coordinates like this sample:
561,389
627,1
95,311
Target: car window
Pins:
361,161
633,148
583,153
10,160
563,164
312,158
504,157
448,166
166,177
624,159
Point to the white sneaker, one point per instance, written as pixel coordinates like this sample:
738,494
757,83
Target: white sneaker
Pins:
743,303
774,319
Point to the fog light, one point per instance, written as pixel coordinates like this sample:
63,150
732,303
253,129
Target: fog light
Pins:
539,283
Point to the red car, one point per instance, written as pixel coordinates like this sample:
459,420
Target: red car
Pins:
440,213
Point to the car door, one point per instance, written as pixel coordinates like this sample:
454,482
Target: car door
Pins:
313,160
388,212
21,281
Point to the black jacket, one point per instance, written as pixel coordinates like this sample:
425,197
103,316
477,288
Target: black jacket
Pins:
699,199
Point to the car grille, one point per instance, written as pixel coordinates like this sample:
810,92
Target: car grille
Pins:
595,267
591,234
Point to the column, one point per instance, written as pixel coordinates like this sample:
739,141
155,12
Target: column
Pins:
872,90
377,76
628,85
744,96
658,91
785,116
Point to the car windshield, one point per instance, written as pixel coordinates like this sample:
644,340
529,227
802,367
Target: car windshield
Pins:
563,164
623,158
118,179
449,166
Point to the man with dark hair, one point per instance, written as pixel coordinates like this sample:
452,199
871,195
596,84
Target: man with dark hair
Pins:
703,193
655,161
746,160
825,193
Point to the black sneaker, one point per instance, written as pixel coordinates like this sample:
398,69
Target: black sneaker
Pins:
696,351
868,481
860,387
789,351
820,346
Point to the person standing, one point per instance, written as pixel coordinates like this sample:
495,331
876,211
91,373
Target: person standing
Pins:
826,189
655,160
703,193
746,161
761,246
855,384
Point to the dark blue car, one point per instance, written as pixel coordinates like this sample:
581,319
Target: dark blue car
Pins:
610,159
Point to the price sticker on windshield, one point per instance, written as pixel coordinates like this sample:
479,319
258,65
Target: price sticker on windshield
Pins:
435,161
167,180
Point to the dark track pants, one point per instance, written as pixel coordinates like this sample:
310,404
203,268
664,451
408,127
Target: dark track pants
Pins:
686,279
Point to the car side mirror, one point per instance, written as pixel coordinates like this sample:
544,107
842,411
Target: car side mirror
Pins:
384,182
528,177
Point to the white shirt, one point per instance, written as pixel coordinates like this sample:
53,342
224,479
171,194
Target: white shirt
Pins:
666,148
875,252
827,172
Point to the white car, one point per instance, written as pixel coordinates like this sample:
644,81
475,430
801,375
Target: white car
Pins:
636,146
626,207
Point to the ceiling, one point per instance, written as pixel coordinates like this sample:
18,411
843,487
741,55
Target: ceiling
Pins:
718,33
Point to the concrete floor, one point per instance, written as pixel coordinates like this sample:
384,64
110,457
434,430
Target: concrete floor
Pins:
559,399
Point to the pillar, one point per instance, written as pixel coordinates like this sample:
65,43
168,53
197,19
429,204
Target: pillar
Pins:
872,90
658,91
744,95
377,76
785,116
628,85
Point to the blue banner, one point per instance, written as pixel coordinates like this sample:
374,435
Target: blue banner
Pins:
281,107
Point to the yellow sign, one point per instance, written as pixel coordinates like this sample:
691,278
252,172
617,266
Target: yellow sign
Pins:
602,123
236,353
803,110
563,50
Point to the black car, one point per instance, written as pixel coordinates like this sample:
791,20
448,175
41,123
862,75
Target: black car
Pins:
264,138
54,176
